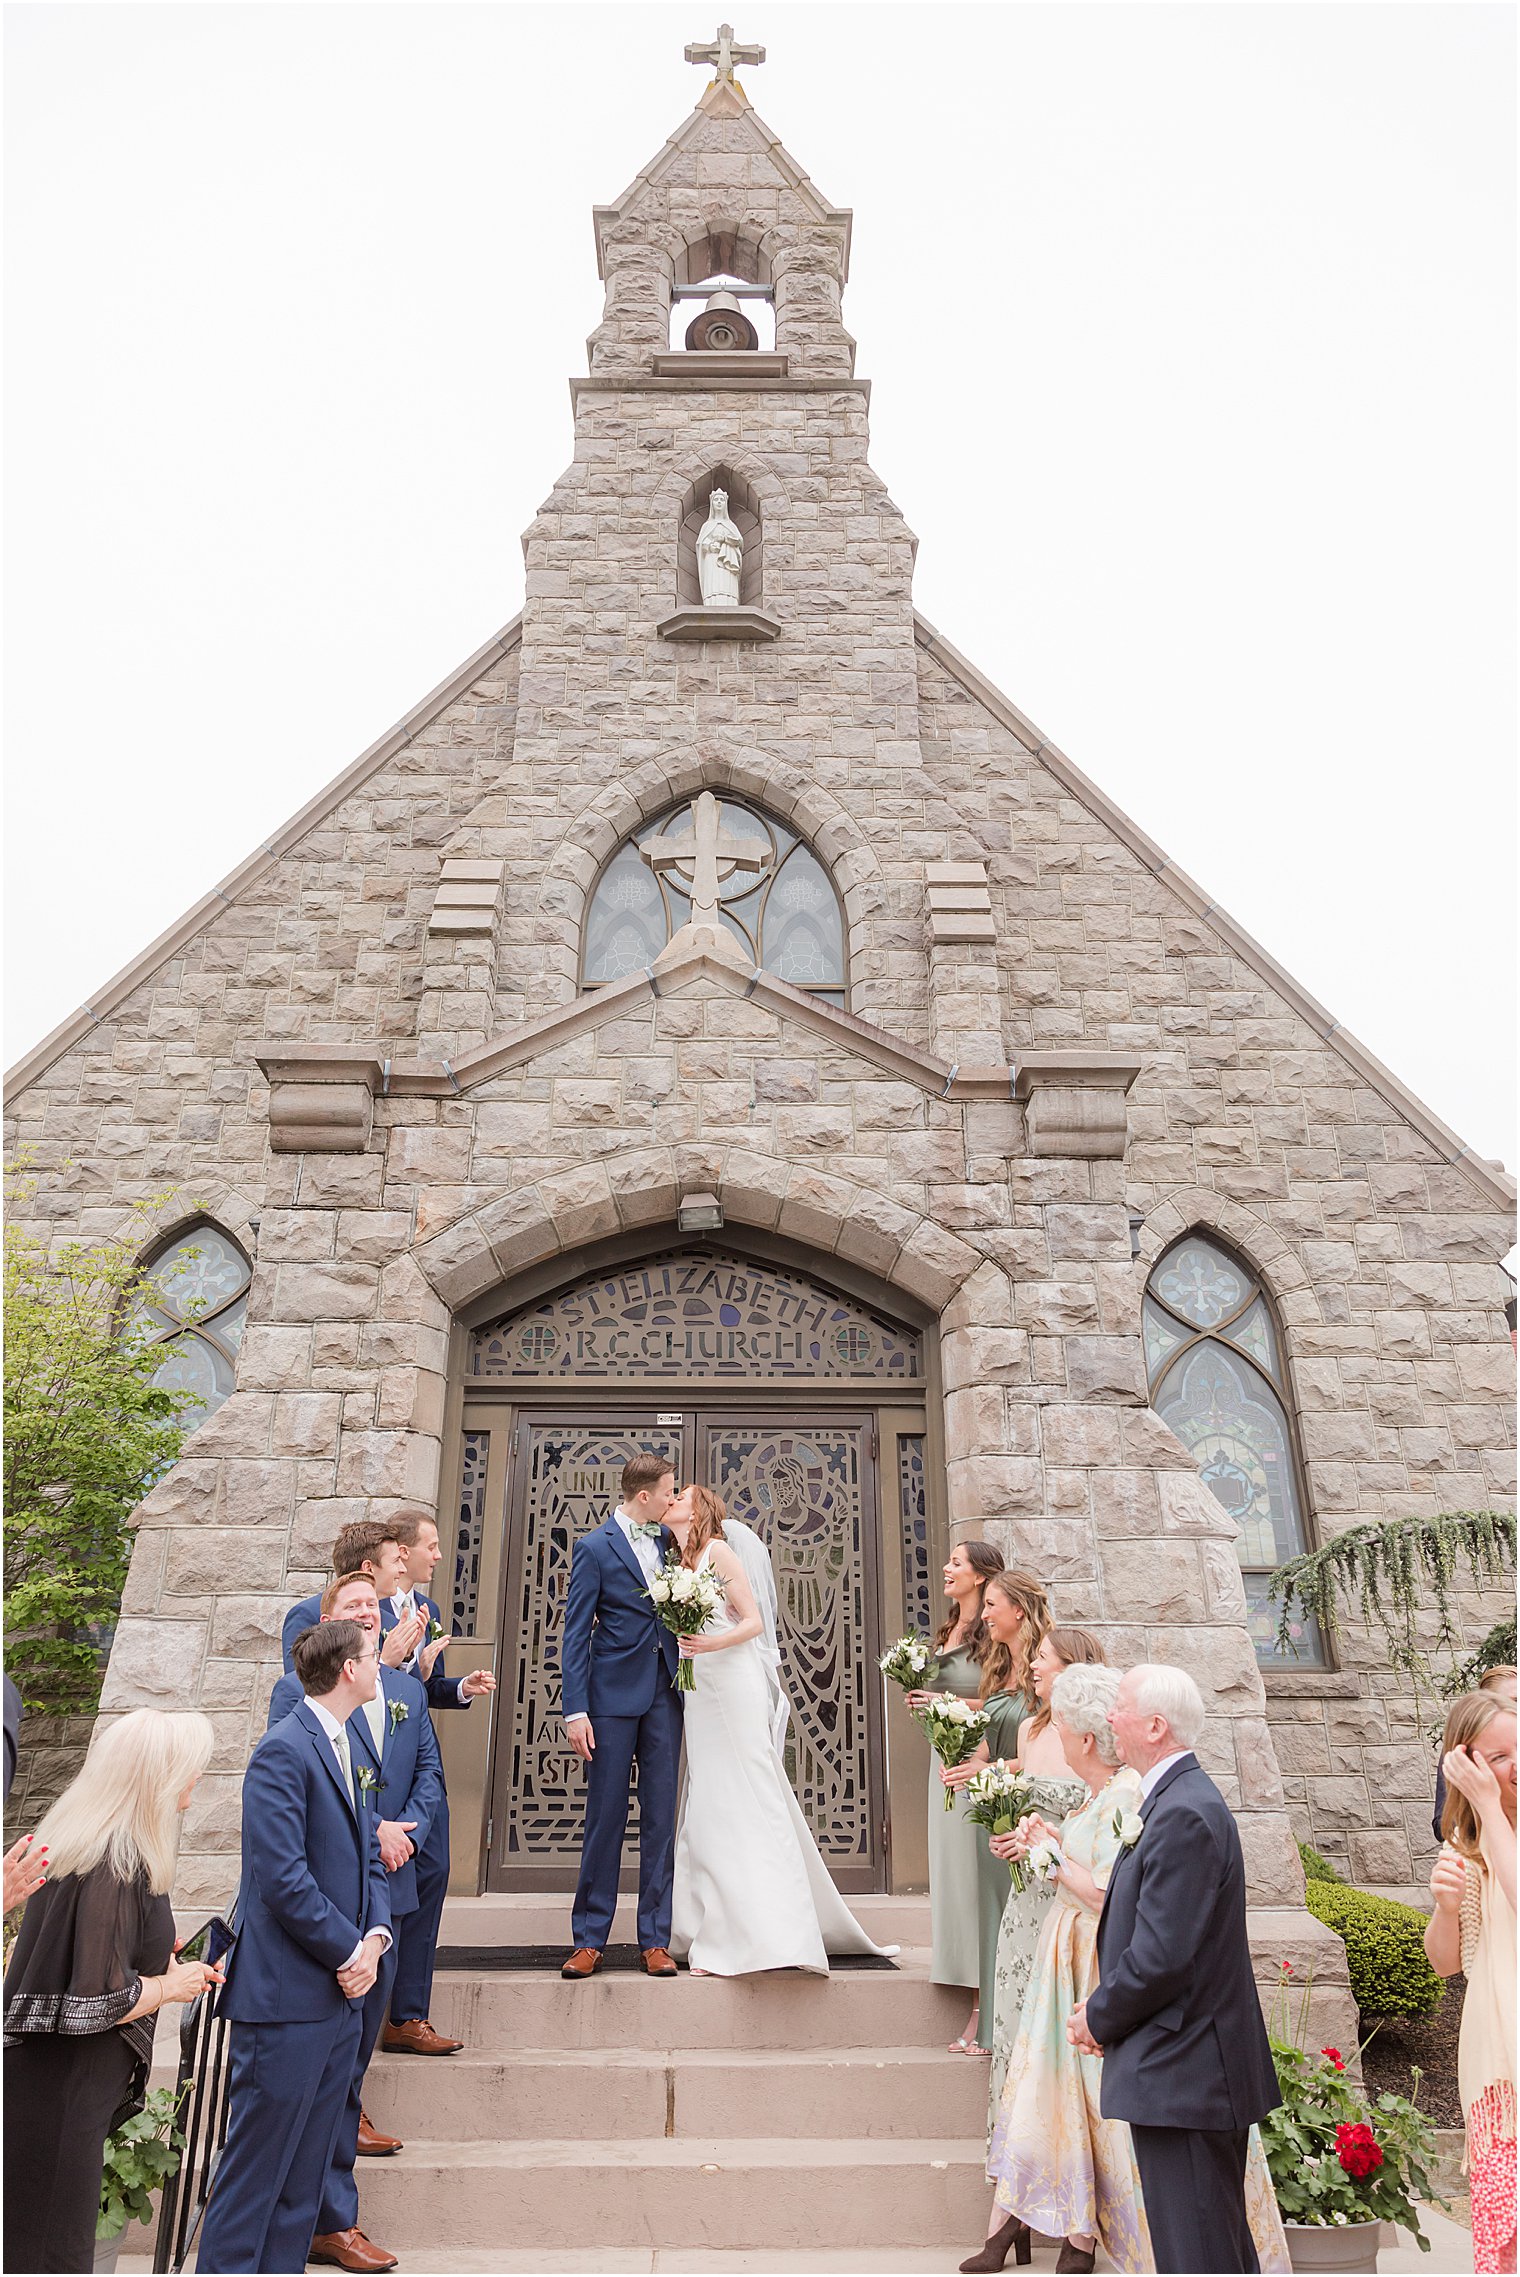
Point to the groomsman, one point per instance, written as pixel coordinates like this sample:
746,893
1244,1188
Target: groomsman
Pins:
369,1545
387,1550
392,1739
1186,2058
409,1614
313,1921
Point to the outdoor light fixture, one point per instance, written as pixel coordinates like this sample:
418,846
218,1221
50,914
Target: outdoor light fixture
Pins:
699,1213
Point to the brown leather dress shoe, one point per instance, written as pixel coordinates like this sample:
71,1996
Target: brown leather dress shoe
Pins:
350,2249
656,1962
416,2037
583,1962
372,2144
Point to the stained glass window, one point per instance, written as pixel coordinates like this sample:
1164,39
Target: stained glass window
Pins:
1216,1377
194,1305
786,916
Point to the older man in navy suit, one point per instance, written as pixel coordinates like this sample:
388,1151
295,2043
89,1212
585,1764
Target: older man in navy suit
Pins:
621,1707
1186,2058
313,1920
401,1778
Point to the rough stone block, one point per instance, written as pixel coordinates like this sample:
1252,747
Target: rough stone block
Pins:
154,1664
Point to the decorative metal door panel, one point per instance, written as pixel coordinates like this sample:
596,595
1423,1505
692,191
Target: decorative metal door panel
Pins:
809,1491
563,1482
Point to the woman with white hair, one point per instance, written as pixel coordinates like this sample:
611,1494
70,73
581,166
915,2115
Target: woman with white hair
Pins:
93,1963
1057,2164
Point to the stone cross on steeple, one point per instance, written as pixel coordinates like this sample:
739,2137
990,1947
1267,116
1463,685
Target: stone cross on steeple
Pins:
722,53
706,851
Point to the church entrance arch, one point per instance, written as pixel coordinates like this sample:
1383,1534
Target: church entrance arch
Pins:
803,1405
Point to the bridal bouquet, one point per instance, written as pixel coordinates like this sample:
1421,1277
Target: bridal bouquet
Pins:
910,1663
997,1798
685,1601
955,1727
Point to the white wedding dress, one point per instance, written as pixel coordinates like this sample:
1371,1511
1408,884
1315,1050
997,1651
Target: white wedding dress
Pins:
751,1891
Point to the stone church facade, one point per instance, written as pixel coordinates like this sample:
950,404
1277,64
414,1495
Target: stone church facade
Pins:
515,1142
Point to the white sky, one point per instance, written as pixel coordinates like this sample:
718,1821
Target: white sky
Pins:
1191,331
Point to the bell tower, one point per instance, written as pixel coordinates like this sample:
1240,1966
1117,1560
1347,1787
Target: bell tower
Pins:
718,580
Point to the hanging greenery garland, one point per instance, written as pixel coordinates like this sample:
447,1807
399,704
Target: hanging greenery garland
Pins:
1397,1568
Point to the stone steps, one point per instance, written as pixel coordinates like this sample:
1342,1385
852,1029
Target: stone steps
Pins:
680,2093
775,2114
621,2008
731,2192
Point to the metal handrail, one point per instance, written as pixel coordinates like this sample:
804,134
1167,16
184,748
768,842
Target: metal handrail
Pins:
205,2077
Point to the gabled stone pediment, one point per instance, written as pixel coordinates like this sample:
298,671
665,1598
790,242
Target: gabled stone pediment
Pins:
353,1075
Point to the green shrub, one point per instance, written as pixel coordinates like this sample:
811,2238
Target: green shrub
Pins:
1318,1869
1385,1949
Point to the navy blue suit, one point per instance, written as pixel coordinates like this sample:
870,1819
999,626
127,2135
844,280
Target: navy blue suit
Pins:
1186,2058
618,1664
313,1885
408,1785
412,1992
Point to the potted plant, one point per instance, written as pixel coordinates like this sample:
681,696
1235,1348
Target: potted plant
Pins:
140,2154
1342,2163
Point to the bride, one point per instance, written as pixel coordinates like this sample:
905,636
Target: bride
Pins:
751,1891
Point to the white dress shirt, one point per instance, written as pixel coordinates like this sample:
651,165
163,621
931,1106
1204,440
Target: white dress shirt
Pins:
646,1549
335,1733
1158,1771
404,1603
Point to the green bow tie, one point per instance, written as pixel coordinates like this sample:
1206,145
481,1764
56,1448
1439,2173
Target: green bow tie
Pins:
650,1533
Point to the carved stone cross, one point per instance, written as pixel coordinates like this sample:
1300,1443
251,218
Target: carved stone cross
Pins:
723,53
707,852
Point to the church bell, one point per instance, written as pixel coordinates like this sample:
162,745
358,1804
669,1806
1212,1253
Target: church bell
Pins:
722,324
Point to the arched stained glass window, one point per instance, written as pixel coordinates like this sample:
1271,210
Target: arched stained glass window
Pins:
1214,1359
195,1308
782,910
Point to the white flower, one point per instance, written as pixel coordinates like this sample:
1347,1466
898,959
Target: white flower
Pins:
683,1584
1043,1861
1128,1826
659,1589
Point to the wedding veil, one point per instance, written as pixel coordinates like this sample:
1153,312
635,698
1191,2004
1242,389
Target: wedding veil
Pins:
756,1561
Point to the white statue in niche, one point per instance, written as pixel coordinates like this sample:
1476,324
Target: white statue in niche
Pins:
720,554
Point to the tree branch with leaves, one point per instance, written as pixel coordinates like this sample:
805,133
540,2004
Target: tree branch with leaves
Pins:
87,1432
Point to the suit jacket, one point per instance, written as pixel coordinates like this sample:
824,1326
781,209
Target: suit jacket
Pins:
408,1771
614,1652
1176,2011
442,1690
313,1879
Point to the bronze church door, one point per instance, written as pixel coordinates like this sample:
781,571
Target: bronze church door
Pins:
804,1410
808,1489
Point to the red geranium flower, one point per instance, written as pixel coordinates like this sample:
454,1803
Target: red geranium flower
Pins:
1335,2057
1357,2149
1286,1967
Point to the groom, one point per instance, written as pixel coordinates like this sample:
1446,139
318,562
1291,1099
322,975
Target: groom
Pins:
1186,2058
618,1665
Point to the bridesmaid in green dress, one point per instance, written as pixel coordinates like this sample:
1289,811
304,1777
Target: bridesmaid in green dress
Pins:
1017,1617
954,1840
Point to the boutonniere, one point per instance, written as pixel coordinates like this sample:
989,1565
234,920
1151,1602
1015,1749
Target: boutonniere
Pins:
398,1712
435,1631
365,1779
1128,1828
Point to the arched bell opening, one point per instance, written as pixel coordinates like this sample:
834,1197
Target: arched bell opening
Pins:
722,295
801,1391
